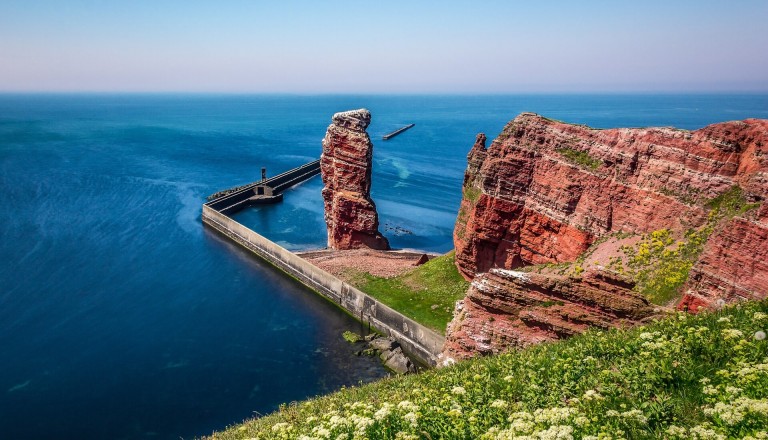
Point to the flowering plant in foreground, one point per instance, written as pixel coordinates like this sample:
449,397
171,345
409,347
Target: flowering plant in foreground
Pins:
697,377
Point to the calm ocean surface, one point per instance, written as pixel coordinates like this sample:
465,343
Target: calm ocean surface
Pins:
121,317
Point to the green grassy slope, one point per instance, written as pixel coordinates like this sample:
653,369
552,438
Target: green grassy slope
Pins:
427,293
687,376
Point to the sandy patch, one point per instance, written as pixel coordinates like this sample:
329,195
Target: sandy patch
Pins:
385,264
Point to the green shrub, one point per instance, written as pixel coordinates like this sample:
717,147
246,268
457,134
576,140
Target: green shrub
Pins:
579,157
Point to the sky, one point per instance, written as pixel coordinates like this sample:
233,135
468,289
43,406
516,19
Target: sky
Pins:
392,46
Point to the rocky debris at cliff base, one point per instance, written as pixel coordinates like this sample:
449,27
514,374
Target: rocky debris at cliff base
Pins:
391,354
423,259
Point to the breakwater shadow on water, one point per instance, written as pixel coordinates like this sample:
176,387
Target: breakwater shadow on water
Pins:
308,300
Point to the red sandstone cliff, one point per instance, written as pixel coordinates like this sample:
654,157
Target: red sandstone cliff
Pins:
544,191
345,165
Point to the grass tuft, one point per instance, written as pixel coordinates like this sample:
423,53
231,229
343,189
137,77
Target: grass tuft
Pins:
579,157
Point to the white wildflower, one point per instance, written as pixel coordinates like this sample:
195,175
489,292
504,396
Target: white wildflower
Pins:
407,405
498,403
321,432
709,390
635,415
676,431
553,415
557,432
383,412
732,390
759,335
591,395
412,418
704,432
724,319
282,427
458,391
732,333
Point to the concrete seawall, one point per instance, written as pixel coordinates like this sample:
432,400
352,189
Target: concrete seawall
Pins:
421,342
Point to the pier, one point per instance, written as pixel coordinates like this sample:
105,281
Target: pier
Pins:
396,132
262,192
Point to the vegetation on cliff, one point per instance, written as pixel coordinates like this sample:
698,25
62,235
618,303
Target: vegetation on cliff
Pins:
689,376
660,261
579,157
426,294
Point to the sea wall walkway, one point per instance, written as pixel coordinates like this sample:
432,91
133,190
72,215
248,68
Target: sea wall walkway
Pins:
419,341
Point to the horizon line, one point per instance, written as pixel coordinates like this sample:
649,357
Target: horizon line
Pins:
361,93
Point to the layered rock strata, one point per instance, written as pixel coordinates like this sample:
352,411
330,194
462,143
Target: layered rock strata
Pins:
345,165
509,309
733,265
544,191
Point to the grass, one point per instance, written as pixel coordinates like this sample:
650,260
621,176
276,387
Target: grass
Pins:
730,203
472,193
687,376
426,294
579,157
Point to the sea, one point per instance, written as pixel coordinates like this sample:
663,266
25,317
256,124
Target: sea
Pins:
122,317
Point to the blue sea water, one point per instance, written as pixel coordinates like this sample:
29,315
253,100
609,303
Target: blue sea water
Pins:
121,317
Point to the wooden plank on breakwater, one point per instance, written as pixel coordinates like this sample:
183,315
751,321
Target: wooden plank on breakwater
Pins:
396,132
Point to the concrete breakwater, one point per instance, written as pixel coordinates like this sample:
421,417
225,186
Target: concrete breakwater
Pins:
264,191
419,341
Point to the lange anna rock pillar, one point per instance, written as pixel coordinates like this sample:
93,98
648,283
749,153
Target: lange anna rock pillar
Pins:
345,167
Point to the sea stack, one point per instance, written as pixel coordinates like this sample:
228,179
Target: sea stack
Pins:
345,166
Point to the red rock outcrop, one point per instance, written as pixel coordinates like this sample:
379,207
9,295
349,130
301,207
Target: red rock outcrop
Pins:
733,265
544,191
345,166
505,309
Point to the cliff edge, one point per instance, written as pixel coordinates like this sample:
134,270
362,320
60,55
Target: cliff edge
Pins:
345,166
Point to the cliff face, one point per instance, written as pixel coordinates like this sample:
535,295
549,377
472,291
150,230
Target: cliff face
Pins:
545,191
345,165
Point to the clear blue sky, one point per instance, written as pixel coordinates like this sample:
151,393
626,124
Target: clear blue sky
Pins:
384,46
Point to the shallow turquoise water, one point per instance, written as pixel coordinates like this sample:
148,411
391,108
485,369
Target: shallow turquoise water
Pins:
122,317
